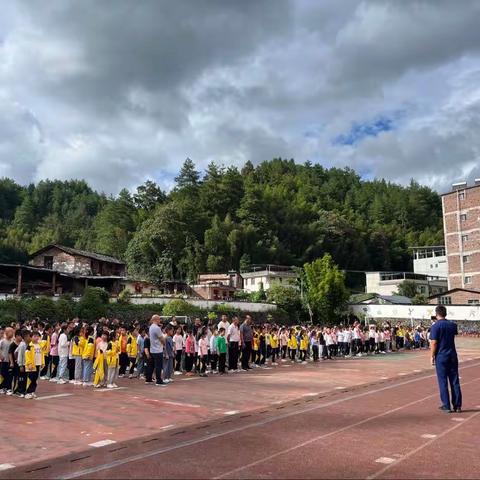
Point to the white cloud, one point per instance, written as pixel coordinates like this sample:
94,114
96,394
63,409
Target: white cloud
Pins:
117,92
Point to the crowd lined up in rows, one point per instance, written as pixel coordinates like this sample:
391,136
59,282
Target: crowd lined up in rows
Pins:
96,355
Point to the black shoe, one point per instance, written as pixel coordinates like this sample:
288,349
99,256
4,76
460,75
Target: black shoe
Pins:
445,409
457,409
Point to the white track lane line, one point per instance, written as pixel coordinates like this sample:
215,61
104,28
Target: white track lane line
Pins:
421,447
266,421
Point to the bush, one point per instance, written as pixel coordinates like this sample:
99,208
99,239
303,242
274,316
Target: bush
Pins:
124,297
43,308
131,313
180,307
93,304
65,309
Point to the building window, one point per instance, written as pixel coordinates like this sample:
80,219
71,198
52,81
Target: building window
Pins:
445,300
468,280
473,302
464,238
466,259
463,217
461,196
48,262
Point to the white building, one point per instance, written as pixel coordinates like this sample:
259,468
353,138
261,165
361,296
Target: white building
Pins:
387,283
268,275
430,261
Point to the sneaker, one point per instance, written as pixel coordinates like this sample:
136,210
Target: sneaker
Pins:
97,386
54,380
177,373
161,384
20,395
203,375
121,376
62,382
3,391
43,378
28,396
115,385
130,376
275,363
9,392
244,370
304,362
110,386
34,395
148,383
166,380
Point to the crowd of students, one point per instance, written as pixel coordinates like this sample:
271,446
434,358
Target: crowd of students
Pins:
96,355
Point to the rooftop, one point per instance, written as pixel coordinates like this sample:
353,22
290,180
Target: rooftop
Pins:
82,253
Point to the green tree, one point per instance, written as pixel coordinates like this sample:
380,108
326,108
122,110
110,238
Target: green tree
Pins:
325,293
179,307
287,298
43,308
407,288
93,304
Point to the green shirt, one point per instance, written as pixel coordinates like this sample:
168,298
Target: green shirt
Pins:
221,344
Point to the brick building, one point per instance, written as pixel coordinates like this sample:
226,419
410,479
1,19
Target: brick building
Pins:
461,220
71,260
456,296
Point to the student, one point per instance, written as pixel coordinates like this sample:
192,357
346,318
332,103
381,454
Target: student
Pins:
132,350
45,344
112,356
303,346
274,342
100,364
123,355
140,347
14,371
87,357
54,353
292,345
63,353
179,344
214,351
222,351
189,352
263,345
147,360
78,343
21,386
5,369
255,348
33,364
314,343
168,355
284,343
203,353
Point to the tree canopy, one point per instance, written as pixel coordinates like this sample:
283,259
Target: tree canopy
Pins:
277,212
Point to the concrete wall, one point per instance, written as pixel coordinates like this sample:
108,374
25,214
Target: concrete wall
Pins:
415,312
433,266
245,306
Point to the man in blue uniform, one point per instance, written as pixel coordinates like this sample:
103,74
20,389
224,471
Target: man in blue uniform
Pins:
444,357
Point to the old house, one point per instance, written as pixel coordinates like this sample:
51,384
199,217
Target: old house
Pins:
217,286
79,262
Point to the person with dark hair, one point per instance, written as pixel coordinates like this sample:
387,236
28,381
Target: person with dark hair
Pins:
444,357
45,343
87,357
33,364
5,369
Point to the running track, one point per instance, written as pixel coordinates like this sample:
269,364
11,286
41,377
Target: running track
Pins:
387,429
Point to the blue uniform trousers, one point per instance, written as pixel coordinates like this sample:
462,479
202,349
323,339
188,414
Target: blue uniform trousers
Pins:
447,372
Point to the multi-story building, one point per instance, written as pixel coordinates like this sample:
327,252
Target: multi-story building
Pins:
461,220
217,286
268,276
387,283
430,261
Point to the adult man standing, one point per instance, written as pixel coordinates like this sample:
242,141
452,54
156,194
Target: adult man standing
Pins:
246,337
6,367
223,323
157,340
444,357
233,339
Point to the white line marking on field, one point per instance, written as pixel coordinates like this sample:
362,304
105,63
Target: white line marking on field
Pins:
385,460
6,466
102,443
340,388
189,378
429,435
402,374
166,427
231,412
47,397
457,419
383,378
116,389
312,394
179,404
416,371
286,365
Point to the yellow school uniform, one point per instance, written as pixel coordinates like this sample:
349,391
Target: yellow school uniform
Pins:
292,343
274,341
88,349
132,347
99,366
112,353
256,342
303,343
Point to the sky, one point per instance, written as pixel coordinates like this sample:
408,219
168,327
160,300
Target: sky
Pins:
117,92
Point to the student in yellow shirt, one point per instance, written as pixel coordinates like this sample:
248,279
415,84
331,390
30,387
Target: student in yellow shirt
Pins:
132,349
255,347
33,364
292,345
274,345
45,344
112,353
78,342
87,357
303,346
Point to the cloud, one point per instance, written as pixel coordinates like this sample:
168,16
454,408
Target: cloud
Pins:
117,92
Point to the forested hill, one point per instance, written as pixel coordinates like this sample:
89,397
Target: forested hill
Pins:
278,212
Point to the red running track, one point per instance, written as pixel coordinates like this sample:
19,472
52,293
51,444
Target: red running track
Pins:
389,429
